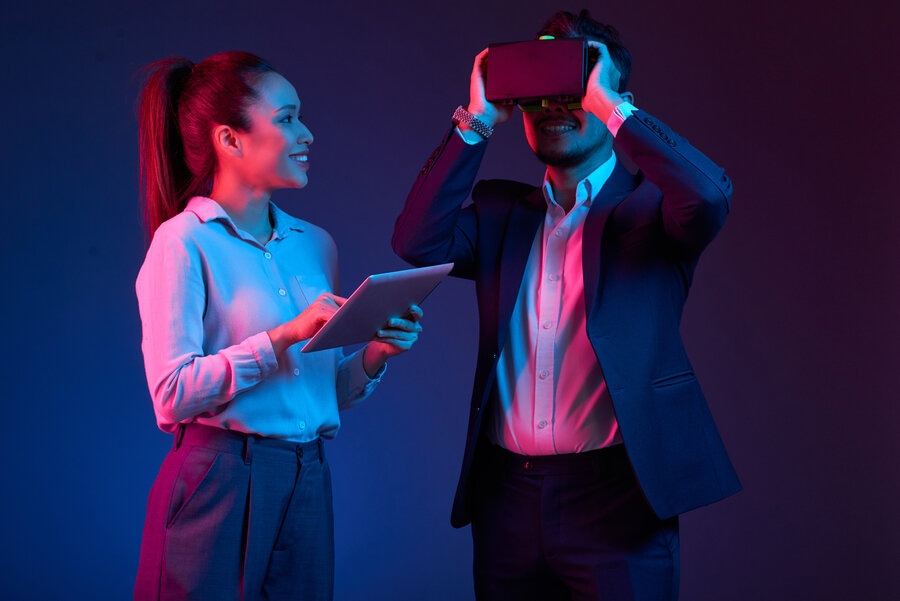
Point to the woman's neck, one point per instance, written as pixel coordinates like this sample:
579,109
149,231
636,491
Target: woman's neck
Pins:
248,209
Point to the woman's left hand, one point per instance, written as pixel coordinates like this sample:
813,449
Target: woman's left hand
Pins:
395,337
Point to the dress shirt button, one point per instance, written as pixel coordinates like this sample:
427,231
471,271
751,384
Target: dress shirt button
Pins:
267,255
546,325
296,372
553,277
282,292
545,373
542,424
302,425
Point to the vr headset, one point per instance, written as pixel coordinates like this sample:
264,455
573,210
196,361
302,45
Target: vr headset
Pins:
536,71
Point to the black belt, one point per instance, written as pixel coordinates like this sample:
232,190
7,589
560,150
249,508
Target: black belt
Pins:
605,459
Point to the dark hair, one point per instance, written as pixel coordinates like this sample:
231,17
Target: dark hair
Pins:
180,104
569,25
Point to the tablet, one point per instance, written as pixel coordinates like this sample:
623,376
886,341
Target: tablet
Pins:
380,297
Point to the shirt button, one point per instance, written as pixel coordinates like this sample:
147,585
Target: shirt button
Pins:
544,374
553,277
529,466
302,425
542,424
296,372
282,292
546,325
267,255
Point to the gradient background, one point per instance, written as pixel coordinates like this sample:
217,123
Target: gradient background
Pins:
792,323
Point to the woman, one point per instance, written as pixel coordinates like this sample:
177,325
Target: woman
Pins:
241,508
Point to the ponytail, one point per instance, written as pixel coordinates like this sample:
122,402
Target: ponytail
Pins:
164,175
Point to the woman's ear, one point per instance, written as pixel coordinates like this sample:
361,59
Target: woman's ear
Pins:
226,140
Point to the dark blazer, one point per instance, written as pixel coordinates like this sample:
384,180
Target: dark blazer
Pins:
642,239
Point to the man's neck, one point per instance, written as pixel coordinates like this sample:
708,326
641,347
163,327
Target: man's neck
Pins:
564,180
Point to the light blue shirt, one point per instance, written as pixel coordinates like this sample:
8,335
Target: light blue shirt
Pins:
208,292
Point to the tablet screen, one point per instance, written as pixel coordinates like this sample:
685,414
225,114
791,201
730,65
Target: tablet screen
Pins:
380,297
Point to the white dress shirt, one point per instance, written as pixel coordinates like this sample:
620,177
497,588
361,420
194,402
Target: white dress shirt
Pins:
549,406
553,396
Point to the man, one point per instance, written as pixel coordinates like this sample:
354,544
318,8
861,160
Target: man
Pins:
588,432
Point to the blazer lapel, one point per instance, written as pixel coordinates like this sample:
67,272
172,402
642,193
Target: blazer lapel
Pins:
524,221
619,185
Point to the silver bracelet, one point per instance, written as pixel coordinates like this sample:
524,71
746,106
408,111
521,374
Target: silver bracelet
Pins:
461,115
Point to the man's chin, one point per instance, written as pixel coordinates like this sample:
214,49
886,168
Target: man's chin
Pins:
562,160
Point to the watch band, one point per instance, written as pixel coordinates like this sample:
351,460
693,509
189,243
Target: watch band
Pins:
461,115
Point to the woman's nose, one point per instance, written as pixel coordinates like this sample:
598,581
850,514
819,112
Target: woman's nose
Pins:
304,135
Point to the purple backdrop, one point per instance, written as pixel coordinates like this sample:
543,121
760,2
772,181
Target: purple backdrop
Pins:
792,324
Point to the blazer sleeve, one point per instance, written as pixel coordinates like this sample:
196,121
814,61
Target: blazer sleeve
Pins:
696,193
433,226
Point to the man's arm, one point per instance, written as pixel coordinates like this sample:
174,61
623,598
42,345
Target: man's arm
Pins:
433,227
696,193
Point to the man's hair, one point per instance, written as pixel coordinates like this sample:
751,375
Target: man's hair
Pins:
565,24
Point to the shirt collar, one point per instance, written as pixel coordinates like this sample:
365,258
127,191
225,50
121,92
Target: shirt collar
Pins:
284,222
587,188
206,209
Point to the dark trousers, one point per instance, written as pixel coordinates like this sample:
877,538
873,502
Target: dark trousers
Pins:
570,528
237,517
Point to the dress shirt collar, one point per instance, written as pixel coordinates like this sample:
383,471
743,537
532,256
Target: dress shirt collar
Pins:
587,188
207,209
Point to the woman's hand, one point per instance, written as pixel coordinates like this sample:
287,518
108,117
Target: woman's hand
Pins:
306,324
397,336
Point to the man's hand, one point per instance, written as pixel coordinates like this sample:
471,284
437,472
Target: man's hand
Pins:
601,97
488,112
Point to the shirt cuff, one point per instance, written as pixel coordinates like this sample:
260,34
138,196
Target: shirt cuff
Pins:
472,139
618,116
261,346
358,376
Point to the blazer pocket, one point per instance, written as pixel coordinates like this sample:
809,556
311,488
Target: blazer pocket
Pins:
674,379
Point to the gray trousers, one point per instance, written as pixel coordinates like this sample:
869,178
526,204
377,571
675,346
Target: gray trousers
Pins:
232,516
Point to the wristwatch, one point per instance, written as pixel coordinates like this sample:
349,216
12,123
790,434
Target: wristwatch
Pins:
461,115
